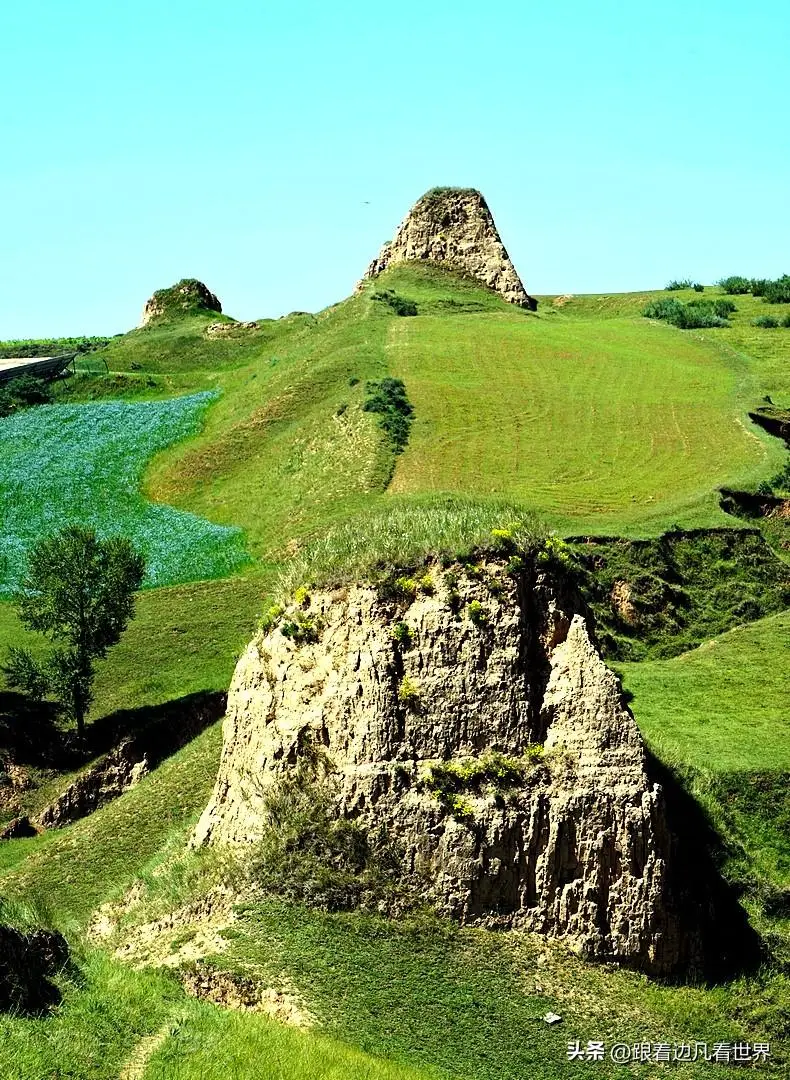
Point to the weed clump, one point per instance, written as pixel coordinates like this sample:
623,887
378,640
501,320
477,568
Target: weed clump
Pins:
388,399
493,772
477,613
401,634
766,322
409,693
311,855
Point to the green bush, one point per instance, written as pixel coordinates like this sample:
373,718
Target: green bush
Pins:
409,693
401,634
736,285
493,770
676,285
477,613
699,287
556,552
22,393
766,322
697,314
388,399
777,292
786,320
399,304
301,628
757,286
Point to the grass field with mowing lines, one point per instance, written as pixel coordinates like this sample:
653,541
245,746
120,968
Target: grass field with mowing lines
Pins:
64,464
614,428
723,706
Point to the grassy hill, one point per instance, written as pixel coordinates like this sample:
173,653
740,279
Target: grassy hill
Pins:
586,414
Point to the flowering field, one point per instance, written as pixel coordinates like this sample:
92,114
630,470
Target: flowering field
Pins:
62,464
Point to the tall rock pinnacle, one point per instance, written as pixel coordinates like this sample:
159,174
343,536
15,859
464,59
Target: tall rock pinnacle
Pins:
455,226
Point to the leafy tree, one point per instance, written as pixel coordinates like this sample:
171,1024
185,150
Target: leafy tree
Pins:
79,592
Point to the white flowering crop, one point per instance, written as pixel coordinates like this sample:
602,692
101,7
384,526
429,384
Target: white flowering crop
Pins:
82,464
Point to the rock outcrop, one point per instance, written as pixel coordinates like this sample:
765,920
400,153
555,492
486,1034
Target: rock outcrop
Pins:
188,297
118,771
454,226
571,843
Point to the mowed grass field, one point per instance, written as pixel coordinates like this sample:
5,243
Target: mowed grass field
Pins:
603,425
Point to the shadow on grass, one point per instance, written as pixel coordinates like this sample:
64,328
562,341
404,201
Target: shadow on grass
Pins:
157,730
29,732
717,941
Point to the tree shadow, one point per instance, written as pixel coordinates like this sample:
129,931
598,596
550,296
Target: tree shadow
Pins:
29,732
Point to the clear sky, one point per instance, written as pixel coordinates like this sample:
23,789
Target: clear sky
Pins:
269,148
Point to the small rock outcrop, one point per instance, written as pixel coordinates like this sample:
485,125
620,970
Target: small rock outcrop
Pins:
455,226
28,962
188,297
120,770
228,329
564,835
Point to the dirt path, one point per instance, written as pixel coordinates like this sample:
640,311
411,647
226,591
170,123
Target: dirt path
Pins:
135,1067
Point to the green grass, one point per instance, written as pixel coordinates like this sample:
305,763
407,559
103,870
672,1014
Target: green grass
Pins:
107,1008
207,1043
602,425
723,706
111,1013
463,1003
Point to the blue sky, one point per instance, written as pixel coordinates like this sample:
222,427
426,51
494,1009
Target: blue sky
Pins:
268,149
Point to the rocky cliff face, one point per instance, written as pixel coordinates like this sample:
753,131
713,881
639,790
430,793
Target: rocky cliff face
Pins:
186,297
455,226
568,839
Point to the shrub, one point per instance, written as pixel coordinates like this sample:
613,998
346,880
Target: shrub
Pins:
777,292
766,322
388,399
301,628
309,854
698,287
786,320
426,585
477,613
272,617
401,634
22,393
555,552
676,285
302,596
697,314
409,692
460,808
757,286
493,770
721,307
736,285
